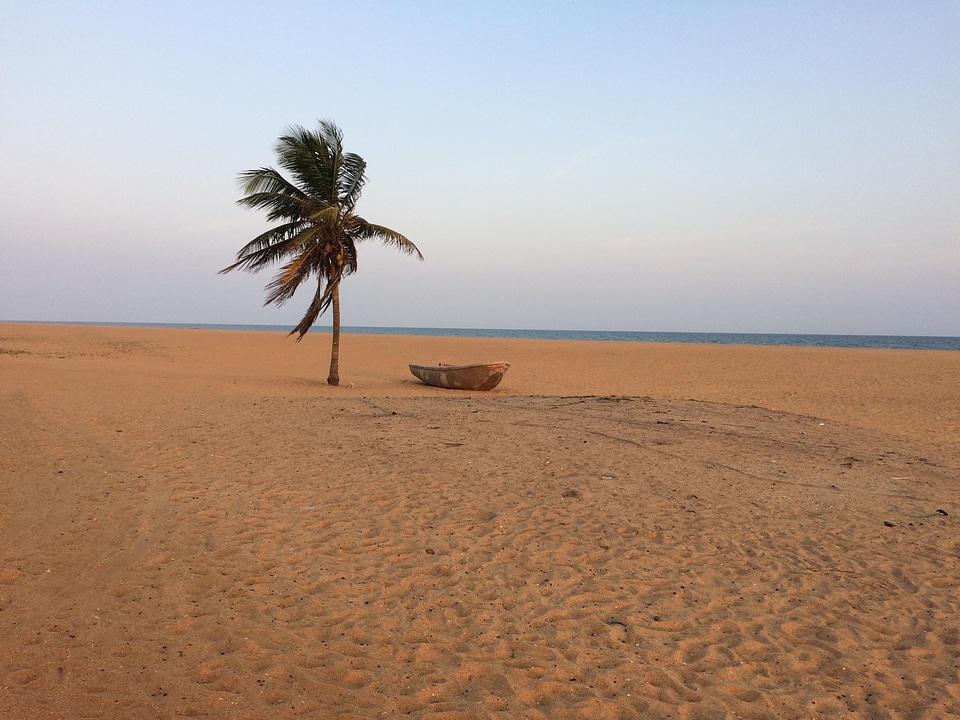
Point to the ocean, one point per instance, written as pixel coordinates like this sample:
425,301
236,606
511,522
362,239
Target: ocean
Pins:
903,342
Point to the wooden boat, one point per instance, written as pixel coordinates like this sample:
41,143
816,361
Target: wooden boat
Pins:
482,376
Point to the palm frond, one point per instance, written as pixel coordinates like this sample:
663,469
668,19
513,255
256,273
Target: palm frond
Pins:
280,202
327,216
321,301
267,180
285,283
268,247
351,177
299,266
312,159
363,230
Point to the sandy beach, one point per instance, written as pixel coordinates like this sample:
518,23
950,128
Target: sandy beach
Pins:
195,525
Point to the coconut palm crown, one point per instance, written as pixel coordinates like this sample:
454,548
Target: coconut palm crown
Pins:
319,228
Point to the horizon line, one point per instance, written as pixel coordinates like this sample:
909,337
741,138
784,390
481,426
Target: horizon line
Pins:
279,327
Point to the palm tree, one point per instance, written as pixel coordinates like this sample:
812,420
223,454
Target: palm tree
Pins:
320,229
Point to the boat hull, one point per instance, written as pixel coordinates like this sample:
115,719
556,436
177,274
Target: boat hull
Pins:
481,376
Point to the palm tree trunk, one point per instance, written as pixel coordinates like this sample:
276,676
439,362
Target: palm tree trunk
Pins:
334,377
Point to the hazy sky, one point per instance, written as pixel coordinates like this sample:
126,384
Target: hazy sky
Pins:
702,166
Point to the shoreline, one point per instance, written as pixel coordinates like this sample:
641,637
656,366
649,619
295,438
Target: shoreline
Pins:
840,340
909,392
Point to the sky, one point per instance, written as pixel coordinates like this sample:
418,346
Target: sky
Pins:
785,167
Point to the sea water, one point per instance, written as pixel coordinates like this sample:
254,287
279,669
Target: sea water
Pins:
904,342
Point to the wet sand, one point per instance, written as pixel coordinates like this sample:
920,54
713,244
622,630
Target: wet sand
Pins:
195,525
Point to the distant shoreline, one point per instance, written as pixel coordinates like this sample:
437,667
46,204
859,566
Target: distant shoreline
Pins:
894,342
